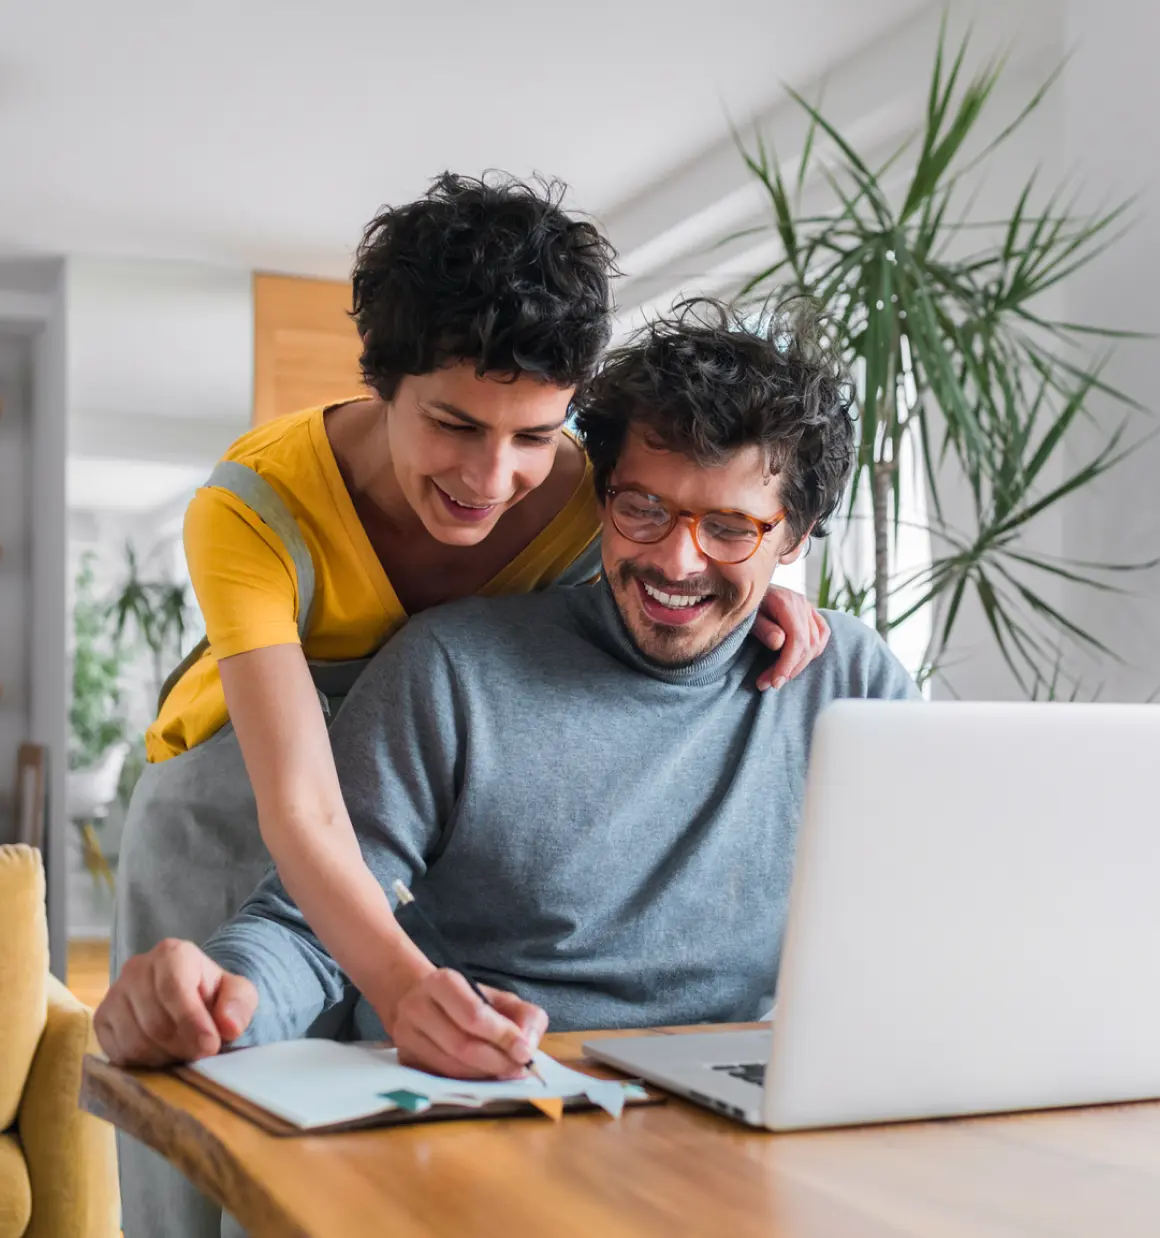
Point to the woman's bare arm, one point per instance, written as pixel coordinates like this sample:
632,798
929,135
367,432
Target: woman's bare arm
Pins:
276,713
280,726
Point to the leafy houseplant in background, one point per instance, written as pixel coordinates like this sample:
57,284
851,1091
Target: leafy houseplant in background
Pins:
159,612
146,616
96,716
96,720
940,319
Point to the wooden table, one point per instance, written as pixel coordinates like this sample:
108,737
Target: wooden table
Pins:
666,1170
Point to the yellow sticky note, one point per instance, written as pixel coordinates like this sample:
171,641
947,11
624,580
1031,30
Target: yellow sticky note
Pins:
552,1106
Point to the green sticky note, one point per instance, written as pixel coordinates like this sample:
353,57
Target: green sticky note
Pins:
412,1102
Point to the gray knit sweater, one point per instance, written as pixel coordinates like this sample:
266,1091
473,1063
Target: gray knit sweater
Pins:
609,838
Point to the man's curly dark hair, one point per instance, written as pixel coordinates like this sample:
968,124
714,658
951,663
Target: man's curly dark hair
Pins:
491,272
706,383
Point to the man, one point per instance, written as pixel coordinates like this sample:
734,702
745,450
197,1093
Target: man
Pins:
583,787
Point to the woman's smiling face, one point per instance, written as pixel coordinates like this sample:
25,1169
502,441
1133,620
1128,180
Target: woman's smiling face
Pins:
466,449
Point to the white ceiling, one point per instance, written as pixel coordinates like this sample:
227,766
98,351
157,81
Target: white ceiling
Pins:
264,133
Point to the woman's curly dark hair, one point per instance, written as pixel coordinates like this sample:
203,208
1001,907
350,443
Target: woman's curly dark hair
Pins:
491,272
706,383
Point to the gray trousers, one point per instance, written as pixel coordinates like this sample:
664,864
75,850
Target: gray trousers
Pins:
191,854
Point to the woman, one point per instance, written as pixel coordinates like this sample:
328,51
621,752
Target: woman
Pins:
481,308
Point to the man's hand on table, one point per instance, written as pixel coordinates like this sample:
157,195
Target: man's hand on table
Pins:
173,1004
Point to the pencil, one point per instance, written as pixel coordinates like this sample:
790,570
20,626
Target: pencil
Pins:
450,959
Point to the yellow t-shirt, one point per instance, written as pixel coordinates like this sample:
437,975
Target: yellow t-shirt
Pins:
245,581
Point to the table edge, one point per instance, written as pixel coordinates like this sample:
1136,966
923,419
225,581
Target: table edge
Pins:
213,1166
250,1203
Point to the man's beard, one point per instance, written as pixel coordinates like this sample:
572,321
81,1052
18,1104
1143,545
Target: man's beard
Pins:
669,644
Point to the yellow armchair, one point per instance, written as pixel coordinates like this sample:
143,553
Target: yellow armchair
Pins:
58,1174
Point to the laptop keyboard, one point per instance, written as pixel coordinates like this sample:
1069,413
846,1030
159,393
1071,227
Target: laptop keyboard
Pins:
750,1072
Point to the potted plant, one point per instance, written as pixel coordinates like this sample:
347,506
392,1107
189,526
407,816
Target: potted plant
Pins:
97,725
157,611
109,636
940,318
153,613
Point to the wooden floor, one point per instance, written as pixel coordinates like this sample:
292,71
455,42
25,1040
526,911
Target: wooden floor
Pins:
88,970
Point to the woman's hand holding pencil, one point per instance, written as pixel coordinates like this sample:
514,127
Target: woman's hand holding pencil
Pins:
448,1024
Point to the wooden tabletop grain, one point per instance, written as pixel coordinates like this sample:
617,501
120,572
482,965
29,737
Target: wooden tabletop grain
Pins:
668,1170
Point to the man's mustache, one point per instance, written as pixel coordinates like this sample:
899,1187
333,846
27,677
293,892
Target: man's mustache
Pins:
696,586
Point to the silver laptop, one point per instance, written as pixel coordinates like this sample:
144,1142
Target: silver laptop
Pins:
974,924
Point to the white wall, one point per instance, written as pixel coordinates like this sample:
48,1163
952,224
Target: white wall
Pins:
160,382
160,359
1112,95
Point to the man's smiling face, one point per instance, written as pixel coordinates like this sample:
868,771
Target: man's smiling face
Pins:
677,603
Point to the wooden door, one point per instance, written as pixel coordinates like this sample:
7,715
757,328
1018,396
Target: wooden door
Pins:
306,348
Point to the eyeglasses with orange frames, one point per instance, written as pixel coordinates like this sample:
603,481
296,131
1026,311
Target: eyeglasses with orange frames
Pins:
726,536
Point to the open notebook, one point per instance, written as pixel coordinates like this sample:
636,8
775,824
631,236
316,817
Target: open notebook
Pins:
318,1086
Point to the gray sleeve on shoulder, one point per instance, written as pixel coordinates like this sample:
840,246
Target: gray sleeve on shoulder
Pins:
396,743
870,666
889,679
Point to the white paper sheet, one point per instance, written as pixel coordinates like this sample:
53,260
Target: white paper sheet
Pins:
315,1083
